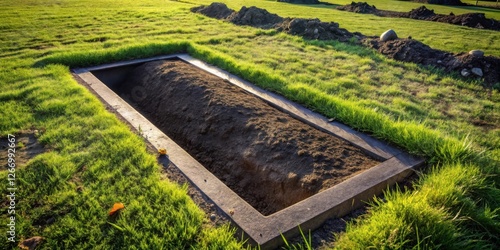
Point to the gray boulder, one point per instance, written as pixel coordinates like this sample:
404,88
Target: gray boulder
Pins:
465,72
477,72
477,53
388,35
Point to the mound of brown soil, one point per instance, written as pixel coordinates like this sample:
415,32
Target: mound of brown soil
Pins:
261,18
214,10
266,156
408,50
300,1
441,2
315,29
255,17
473,20
421,13
361,7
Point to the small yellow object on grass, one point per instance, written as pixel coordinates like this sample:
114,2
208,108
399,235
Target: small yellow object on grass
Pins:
162,151
116,207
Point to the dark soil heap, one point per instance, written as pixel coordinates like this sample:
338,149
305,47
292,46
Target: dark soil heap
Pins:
421,13
255,17
266,156
300,1
441,2
473,20
315,29
214,10
261,18
361,7
406,50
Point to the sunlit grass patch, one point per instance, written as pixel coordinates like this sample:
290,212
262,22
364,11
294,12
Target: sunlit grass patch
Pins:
94,160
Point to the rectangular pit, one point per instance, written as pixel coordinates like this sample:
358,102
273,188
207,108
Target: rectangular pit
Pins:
284,198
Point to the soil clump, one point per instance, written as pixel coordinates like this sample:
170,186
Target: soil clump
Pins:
473,20
214,10
465,65
300,1
441,2
255,17
409,50
261,18
266,156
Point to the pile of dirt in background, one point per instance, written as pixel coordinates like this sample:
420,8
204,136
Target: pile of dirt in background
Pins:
255,17
406,50
261,18
473,20
421,13
315,29
214,10
300,1
361,7
266,156
442,2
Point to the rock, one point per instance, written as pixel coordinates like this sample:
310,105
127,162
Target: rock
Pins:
476,52
465,72
30,243
316,31
213,217
439,61
477,71
388,35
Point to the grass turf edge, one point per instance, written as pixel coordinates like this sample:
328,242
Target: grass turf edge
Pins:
65,194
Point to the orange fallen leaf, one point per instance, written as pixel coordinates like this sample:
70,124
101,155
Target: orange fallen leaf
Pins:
162,151
116,207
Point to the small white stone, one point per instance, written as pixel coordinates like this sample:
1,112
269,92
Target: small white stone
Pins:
477,71
465,72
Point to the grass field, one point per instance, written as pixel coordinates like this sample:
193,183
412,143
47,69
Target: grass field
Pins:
94,160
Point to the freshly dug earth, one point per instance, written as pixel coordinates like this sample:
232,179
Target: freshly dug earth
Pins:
269,158
441,2
473,20
261,18
406,50
300,1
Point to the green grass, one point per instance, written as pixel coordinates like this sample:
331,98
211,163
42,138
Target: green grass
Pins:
441,214
437,35
95,160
